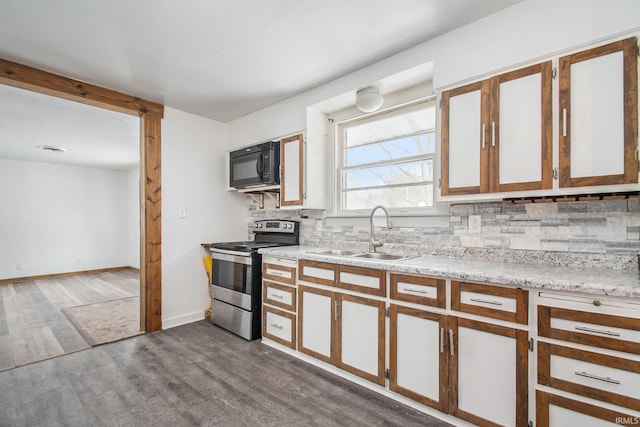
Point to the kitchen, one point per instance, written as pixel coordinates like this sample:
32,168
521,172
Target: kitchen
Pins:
456,57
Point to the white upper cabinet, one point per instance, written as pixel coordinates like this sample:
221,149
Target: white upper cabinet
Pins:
599,116
497,134
292,171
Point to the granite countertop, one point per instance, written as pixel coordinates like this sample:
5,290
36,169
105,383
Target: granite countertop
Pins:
584,280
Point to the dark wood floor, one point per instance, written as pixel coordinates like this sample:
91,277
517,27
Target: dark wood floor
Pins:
192,375
32,324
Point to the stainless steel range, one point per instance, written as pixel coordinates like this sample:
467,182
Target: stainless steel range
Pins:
236,281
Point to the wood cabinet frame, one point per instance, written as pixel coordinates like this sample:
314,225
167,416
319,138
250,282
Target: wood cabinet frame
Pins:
438,284
545,314
522,369
265,298
301,291
290,316
521,297
266,275
443,403
545,399
545,350
489,151
296,139
381,275
317,264
629,48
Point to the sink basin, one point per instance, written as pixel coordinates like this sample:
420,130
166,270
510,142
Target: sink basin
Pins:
337,252
380,256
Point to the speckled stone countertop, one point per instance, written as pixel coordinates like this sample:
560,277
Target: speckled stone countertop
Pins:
583,280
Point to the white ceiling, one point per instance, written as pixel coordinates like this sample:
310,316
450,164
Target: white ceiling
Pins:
221,59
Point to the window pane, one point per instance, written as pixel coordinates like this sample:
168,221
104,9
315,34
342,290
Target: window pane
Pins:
403,173
389,128
389,150
400,197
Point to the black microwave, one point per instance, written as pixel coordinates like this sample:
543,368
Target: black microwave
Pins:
255,166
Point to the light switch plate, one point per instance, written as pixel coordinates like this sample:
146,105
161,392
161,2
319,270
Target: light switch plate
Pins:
475,224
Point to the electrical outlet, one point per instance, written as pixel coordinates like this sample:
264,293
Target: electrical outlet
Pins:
318,225
182,213
19,266
475,224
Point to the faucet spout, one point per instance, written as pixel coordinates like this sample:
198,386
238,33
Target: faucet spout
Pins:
373,242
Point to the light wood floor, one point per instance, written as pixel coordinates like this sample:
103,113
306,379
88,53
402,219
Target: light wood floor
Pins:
32,324
192,375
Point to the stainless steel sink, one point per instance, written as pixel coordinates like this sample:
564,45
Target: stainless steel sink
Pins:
337,252
387,257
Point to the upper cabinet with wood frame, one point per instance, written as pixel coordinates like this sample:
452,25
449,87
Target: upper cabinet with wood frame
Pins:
599,116
497,134
292,171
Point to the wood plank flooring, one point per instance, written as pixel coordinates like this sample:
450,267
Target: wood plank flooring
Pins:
192,375
32,324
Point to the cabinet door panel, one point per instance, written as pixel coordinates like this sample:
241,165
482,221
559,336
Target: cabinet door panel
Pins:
599,116
418,362
554,410
292,163
279,326
315,320
489,373
360,337
521,122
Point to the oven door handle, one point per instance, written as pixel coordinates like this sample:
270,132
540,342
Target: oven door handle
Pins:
231,257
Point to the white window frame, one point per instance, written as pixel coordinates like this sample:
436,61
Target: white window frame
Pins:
436,209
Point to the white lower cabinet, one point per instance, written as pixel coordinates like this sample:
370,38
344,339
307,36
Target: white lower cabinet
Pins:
344,330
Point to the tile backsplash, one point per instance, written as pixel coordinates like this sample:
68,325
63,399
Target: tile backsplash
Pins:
598,233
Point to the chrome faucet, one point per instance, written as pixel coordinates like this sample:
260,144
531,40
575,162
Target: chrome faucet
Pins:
373,242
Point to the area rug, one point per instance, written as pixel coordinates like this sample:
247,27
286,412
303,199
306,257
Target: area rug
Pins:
106,321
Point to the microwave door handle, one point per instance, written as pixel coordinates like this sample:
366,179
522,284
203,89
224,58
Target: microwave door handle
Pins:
260,167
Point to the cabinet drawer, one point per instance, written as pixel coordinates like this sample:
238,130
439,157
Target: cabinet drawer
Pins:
365,280
280,273
418,289
279,326
553,410
598,376
594,329
322,273
508,304
279,295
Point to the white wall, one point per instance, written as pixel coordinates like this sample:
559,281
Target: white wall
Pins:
193,177
133,194
58,218
522,33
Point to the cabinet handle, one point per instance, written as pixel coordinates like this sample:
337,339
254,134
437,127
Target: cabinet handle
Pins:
564,122
493,134
418,291
277,296
275,325
335,310
597,331
595,377
276,273
485,301
451,347
441,340
483,134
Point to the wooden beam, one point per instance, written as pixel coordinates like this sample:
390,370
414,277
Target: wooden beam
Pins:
151,230
24,77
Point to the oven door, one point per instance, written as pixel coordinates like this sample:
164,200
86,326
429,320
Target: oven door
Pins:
233,277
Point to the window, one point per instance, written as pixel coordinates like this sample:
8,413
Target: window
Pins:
387,159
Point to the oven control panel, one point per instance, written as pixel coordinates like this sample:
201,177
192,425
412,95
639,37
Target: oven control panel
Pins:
275,226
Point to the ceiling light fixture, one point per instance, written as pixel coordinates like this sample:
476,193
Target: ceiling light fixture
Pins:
368,99
52,148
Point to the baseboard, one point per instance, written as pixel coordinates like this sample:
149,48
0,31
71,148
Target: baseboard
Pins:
172,322
60,275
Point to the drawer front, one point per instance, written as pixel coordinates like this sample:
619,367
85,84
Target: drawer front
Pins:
279,295
594,329
322,273
508,304
607,378
280,273
364,280
554,410
279,326
286,262
418,289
